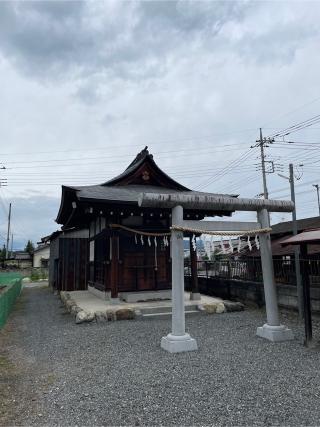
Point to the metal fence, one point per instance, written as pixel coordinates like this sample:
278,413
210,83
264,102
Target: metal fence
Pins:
250,269
8,294
34,273
9,277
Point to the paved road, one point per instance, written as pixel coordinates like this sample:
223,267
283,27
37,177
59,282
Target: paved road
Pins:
116,374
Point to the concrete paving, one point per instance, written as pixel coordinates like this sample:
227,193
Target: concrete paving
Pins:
89,302
37,284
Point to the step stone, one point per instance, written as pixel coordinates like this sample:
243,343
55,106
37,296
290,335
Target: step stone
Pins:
166,309
168,314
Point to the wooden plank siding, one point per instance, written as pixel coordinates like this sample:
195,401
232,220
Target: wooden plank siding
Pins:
72,264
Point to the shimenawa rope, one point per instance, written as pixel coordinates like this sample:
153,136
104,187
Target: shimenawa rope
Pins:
221,233
194,231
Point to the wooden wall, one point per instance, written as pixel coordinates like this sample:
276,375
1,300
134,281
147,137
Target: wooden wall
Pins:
68,264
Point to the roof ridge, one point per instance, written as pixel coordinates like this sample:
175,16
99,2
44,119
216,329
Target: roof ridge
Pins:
140,156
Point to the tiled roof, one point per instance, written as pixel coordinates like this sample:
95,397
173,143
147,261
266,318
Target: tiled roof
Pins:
303,224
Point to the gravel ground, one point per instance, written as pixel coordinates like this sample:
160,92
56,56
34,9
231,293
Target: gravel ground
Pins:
116,373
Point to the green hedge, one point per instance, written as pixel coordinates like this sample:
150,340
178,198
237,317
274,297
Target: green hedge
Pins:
8,297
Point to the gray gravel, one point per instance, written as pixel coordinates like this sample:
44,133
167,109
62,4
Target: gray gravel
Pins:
116,373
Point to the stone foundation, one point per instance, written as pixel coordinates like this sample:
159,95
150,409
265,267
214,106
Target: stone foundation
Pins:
106,311
82,316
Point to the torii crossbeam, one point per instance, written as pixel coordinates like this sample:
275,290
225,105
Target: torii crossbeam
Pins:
178,340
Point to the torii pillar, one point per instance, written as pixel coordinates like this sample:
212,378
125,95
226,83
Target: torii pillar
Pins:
272,330
178,340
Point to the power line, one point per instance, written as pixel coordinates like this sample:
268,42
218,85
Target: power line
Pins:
298,126
279,190
150,143
295,110
234,163
184,152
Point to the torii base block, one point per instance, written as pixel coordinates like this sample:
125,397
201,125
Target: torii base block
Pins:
178,343
275,333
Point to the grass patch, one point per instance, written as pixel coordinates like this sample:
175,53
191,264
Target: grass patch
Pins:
38,274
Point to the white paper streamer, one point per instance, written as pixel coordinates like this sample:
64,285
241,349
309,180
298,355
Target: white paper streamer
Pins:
141,238
208,249
249,244
239,245
149,242
194,242
212,245
256,239
155,242
231,245
135,239
222,245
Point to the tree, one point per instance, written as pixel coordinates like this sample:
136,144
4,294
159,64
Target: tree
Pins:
3,253
29,247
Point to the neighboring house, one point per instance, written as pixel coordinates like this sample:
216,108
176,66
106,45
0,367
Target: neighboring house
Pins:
121,258
41,255
283,230
20,259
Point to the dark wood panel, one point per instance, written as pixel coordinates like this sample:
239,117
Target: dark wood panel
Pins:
72,269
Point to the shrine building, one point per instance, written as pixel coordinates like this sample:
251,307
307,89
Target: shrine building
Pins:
128,248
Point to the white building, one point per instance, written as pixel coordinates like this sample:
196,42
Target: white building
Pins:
41,256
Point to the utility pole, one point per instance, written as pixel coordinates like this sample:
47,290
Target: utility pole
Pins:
296,247
263,166
8,233
11,251
317,187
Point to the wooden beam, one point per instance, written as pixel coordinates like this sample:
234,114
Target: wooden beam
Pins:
212,202
306,293
221,225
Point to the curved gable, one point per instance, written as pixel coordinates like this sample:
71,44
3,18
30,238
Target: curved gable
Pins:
144,171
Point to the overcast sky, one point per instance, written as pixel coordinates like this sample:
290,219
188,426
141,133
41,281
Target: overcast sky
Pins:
86,85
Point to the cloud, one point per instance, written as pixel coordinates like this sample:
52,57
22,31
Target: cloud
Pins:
103,79
51,39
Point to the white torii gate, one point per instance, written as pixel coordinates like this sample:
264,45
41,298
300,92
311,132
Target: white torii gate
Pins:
178,340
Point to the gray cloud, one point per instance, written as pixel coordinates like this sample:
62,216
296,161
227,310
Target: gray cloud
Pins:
95,43
105,78
50,39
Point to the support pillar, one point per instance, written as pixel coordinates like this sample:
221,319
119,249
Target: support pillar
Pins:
178,341
195,294
272,330
114,249
306,295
